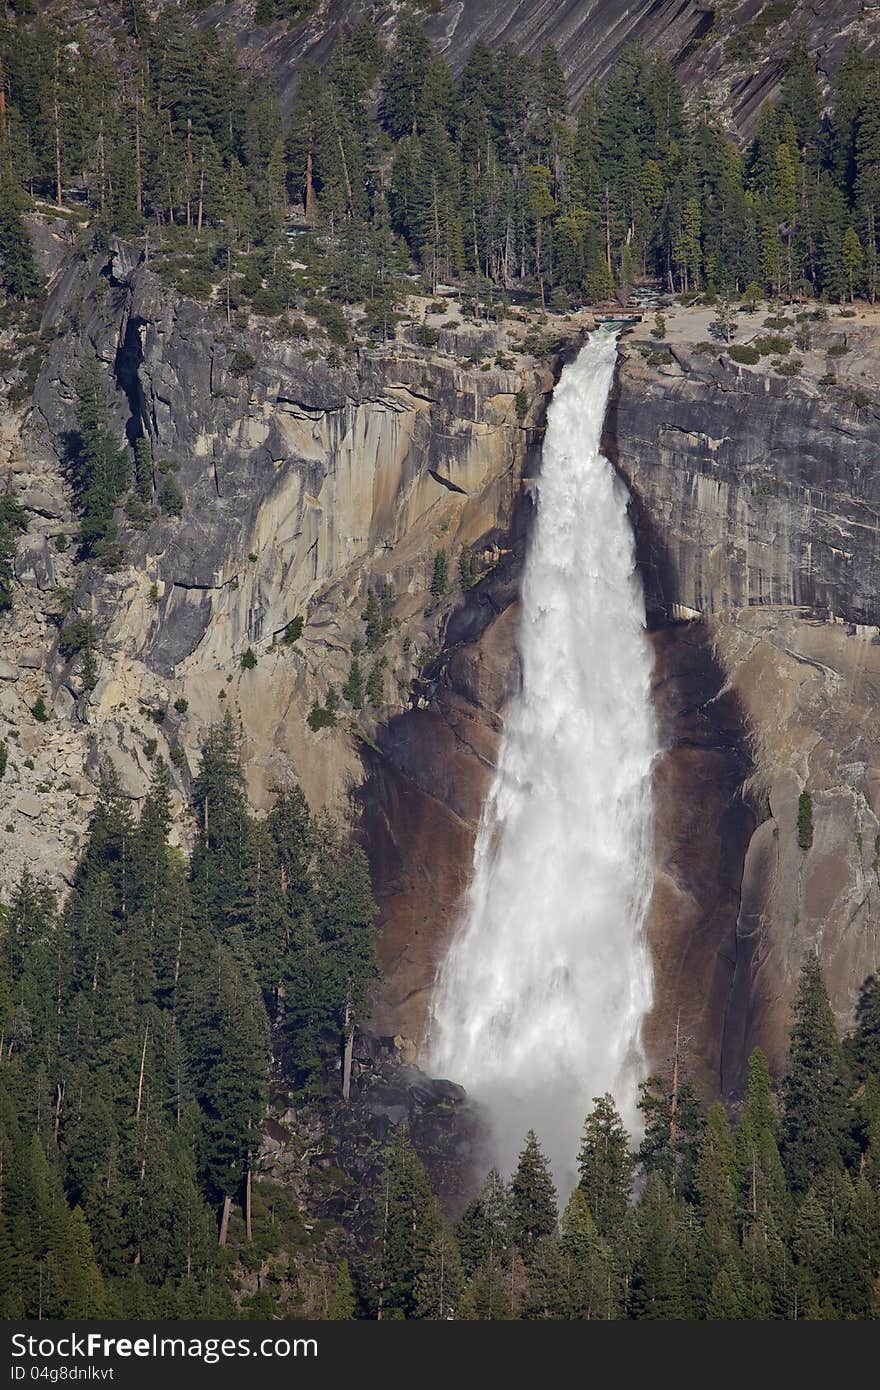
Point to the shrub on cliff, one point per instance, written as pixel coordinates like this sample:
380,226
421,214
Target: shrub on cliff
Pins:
319,717
772,342
353,690
745,353
13,520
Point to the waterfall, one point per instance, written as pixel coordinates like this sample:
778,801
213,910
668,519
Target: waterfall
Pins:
539,1004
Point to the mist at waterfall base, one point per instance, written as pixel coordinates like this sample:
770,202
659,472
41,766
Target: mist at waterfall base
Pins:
539,1004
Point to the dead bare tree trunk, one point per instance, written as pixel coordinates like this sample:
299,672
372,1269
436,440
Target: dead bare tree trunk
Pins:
58,1101
201,211
4,130
348,1032
189,170
224,1219
138,173
310,187
345,172
673,1102
56,120
141,1076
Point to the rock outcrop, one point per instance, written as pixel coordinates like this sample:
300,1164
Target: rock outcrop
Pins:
755,502
309,479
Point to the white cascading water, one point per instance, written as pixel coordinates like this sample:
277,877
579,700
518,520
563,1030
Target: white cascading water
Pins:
539,1004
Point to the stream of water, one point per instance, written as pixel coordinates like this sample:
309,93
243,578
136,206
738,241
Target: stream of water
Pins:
540,1001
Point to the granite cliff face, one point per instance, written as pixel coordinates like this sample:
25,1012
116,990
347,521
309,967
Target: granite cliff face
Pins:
734,51
310,480
755,501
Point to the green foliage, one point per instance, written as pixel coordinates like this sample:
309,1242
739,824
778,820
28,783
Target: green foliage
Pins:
374,686
324,716
170,498
606,1165
470,570
13,521
77,635
332,320
18,273
353,690
744,353
39,710
440,576
489,175
815,1116
378,616
294,630
249,659
767,343
532,1199
241,362
141,1010
342,1306
751,296
98,469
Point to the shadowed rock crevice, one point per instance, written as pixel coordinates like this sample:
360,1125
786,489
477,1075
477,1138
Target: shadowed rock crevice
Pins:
126,372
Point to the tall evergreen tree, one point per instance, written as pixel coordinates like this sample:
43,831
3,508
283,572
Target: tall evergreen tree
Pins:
533,1209
606,1165
815,1113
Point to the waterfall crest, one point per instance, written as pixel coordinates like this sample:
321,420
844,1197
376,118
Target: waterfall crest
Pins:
539,1004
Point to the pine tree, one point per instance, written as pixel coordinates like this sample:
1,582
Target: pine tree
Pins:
408,1225
98,468
440,576
533,1208
606,1165
13,521
353,690
656,1281
759,1174
403,87
483,1231
815,1112
853,260
437,1287
864,1046
18,272
341,1307
592,1280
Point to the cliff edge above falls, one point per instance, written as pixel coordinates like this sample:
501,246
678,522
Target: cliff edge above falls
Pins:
756,498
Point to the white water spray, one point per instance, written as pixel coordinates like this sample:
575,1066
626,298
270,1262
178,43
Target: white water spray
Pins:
539,1004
